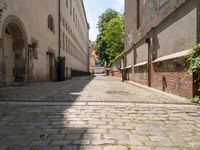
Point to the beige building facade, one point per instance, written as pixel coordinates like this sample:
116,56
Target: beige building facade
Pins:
74,37
31,38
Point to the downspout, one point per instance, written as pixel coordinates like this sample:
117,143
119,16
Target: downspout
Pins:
59,12
148,41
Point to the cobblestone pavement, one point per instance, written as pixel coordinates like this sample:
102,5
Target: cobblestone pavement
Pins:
100,88
136,119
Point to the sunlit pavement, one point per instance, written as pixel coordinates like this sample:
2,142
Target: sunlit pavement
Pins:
96,113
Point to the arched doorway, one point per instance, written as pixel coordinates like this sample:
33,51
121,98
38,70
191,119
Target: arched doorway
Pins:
14,53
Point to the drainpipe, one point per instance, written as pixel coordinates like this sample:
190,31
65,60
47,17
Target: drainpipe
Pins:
59,12
148,41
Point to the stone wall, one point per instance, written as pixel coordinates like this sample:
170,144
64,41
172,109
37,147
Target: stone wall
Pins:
167,28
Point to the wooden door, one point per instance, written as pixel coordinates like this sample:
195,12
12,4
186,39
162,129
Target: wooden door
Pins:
9,56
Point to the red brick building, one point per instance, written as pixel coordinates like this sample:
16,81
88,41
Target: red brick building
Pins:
93,57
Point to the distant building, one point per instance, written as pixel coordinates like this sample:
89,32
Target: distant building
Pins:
94,59
33,33
95,63
159,35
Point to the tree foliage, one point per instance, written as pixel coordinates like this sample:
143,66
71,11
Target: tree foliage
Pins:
194,59
114,37
105,17
110,41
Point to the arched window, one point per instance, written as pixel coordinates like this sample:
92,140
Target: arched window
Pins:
51,23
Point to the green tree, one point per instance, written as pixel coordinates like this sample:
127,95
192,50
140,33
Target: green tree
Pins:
114,37
109,42
105,17
194,59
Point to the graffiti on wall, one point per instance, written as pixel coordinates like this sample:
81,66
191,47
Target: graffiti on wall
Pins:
3,8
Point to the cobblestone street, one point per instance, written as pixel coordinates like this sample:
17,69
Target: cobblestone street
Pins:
95,113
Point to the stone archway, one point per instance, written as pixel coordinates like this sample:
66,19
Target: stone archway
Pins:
14,51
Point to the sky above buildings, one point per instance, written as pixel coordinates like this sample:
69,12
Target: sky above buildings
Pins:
94,8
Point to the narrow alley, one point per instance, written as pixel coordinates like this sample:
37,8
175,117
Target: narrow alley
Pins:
96,113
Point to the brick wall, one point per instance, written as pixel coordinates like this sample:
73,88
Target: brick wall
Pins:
117,74
140,75
172,77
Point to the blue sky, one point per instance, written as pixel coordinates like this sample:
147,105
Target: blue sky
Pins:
94,8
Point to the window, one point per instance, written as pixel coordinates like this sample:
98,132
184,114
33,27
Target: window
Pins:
70,7
76,20
67,1
138,13
68,48
73,15
66,26
150,10
63,41
66,44
35,49
163,2
63,21
51,23
60,39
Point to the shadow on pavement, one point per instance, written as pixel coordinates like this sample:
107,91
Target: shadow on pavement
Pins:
42,127
51,91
